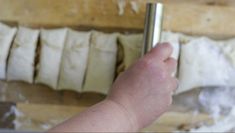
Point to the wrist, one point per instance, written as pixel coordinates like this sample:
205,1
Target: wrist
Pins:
130,117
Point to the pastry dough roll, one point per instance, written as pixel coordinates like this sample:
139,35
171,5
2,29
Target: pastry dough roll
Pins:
132,47
22,56
6,37
102,62
74,60
133,44
52,44
205,62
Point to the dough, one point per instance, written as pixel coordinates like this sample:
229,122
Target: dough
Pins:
205,62
74,60
6,37
22,56
132,46
102,61
52,44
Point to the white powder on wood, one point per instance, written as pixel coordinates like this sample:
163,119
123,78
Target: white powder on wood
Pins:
134,6
225,125
121,7
217,100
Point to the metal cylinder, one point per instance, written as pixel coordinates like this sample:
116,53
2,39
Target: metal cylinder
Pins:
153,26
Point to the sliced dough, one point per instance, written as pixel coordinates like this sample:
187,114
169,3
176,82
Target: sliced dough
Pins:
22,56
6,37
132,45
102,61
205,62
52,44
74,60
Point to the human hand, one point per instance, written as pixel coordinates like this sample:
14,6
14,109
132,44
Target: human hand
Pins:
145,90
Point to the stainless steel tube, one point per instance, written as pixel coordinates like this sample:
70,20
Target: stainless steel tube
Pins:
153,26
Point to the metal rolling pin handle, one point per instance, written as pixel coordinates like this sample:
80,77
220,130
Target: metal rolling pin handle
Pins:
153,26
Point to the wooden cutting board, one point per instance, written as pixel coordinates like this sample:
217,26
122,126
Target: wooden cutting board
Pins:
40,108
39,117
207,17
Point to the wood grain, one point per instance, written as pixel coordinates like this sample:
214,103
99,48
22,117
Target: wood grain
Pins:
40,115
19,92
211,18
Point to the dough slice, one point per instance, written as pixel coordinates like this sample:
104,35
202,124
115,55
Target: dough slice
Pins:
74,60
22,56
132,45
6,37
52,44
205,62
102,61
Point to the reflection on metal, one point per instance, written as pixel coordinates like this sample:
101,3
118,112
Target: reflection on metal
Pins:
153,26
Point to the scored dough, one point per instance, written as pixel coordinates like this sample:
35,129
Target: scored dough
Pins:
22,56
74,60
132,46
52,44
6,37
102,62
205,62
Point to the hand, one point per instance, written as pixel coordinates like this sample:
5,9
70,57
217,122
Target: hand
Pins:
145,90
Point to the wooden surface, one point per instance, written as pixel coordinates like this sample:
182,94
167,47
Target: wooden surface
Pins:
42,116
203,18
40,108
19,92
7,115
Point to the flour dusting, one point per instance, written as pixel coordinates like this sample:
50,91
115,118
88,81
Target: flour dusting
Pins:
134,6
121,7
225,125
218,101
46,126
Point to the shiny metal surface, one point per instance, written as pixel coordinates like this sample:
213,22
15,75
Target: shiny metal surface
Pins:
153,26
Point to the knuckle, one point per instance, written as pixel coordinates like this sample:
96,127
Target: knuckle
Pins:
155,67
147,63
